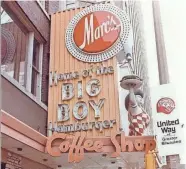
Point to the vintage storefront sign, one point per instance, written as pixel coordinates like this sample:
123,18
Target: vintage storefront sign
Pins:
77,146
167,120
85,93
94,34
93,88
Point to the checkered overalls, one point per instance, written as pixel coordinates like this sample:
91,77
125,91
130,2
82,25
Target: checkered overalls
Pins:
138,123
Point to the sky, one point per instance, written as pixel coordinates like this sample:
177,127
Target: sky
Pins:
173,14
174,25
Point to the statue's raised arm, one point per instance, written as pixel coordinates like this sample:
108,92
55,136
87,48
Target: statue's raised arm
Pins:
138,118
135,101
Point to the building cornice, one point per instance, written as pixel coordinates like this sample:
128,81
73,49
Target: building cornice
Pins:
10,124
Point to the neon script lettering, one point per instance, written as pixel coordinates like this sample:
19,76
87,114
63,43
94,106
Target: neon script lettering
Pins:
91,34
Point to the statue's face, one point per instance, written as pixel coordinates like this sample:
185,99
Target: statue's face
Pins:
139,100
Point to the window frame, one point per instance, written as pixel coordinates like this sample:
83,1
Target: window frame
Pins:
28,61
29,66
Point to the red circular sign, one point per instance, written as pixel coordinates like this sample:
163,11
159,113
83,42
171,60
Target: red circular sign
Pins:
96,31
165,105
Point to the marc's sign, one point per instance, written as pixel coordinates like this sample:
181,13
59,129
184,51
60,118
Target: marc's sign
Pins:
95,33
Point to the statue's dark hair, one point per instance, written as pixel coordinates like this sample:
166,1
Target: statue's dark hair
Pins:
137,92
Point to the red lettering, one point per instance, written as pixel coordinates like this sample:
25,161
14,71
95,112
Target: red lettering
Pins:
78,146
116,145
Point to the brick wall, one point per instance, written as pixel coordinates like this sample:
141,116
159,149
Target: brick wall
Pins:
51,7
37,17
45,74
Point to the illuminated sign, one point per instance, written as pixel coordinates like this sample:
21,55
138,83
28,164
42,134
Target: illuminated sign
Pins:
81,108
101,31
93,34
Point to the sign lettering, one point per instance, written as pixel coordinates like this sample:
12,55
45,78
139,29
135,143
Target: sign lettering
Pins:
92,33
77,146
168,127
98,125
99,70
80,109
97,107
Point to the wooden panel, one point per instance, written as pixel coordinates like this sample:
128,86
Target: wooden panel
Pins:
63,62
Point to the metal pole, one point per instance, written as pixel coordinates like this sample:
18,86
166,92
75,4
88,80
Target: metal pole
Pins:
160,45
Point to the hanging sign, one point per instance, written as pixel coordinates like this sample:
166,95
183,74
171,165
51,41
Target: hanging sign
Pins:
167,120
95,33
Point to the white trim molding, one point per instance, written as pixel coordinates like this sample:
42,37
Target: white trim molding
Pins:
39,75
28,61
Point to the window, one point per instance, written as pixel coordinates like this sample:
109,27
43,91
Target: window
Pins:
21,55
35,68
13,48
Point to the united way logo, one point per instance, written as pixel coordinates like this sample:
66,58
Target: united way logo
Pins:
165,105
